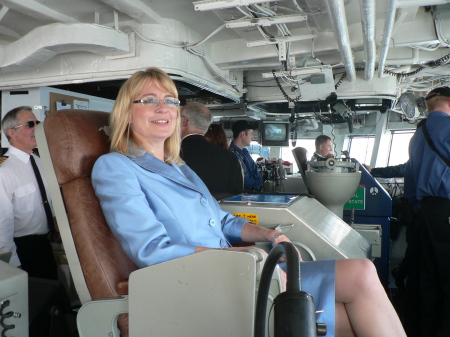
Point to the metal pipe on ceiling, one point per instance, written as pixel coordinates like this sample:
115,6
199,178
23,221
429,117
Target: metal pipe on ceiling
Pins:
368,26
388,25
336,11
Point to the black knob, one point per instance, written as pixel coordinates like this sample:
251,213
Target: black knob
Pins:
321,329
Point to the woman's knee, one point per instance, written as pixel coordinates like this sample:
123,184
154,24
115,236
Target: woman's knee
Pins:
356,274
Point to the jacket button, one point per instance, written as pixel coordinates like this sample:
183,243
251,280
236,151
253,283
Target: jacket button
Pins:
203,201
212,222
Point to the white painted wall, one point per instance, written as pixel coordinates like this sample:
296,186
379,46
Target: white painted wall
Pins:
40,96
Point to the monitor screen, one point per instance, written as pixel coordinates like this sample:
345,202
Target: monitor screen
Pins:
275,134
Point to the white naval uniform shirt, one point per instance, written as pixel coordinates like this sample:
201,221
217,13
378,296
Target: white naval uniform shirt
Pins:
21,209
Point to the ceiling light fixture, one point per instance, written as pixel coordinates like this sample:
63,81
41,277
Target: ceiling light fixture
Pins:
207,5
281,42
264,22
294,72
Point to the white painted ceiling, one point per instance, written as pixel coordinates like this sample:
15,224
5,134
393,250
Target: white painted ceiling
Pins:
68,42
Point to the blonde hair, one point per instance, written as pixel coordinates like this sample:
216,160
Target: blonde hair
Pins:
119,120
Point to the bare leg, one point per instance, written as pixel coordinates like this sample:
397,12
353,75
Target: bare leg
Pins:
362,306
343,327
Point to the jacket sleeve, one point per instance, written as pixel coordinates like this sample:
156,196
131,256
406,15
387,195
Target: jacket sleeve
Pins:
129,214
389,171
238,176
7,220
232,226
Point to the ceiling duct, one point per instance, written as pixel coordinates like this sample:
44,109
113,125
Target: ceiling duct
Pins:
338,19
368,26
388,26
45,42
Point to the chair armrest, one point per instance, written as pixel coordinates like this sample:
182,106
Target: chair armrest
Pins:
99,317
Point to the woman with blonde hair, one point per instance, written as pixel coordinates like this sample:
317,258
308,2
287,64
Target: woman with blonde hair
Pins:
159,210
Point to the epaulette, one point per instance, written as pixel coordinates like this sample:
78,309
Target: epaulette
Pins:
3,159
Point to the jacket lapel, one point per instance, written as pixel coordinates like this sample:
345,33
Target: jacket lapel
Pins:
171,172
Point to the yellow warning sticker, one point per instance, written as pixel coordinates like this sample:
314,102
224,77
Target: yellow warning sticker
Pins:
249,216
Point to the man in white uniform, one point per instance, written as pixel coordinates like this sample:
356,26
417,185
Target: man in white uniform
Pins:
24,223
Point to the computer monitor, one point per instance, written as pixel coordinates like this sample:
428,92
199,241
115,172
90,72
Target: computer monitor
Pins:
275,134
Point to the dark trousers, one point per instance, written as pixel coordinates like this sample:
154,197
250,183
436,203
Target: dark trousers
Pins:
435,267
36,256
411,309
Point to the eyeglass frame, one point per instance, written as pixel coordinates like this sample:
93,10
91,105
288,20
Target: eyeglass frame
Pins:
30,124
176,105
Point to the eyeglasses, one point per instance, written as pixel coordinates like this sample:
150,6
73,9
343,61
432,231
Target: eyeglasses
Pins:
154,102
30,124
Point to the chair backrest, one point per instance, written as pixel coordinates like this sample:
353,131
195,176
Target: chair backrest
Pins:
75,139
301,157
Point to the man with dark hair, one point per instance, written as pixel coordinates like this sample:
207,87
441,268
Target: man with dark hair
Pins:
217,167
242,137
427,187
26,217
323,148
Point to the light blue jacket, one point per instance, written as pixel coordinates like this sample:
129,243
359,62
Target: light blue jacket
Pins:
160,212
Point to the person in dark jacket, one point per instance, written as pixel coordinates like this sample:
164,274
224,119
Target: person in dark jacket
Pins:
242,137
427,187
219,169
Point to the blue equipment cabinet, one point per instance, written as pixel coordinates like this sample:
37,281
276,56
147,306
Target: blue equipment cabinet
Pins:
373,206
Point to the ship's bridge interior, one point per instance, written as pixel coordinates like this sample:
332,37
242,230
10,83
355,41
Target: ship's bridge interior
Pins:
355,70
311,61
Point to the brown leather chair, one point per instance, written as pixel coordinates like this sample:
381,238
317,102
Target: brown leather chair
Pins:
76,138
300,155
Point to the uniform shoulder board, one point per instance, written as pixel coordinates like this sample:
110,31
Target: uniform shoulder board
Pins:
3,159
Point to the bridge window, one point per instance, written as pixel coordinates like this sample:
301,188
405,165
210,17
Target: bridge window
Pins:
398,151
361,147
256,150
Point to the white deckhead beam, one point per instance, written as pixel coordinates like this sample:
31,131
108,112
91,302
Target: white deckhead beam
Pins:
3,12
136,9
37,10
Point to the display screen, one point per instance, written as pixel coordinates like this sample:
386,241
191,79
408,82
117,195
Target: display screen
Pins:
275,134
263,198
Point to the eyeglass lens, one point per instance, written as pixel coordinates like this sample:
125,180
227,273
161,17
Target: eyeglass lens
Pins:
30,124
154,102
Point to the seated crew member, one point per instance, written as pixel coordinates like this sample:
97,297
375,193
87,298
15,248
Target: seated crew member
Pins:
218,168
24,222
174,215
323,148
242,137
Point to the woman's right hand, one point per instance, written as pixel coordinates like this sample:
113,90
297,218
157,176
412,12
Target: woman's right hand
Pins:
284,238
